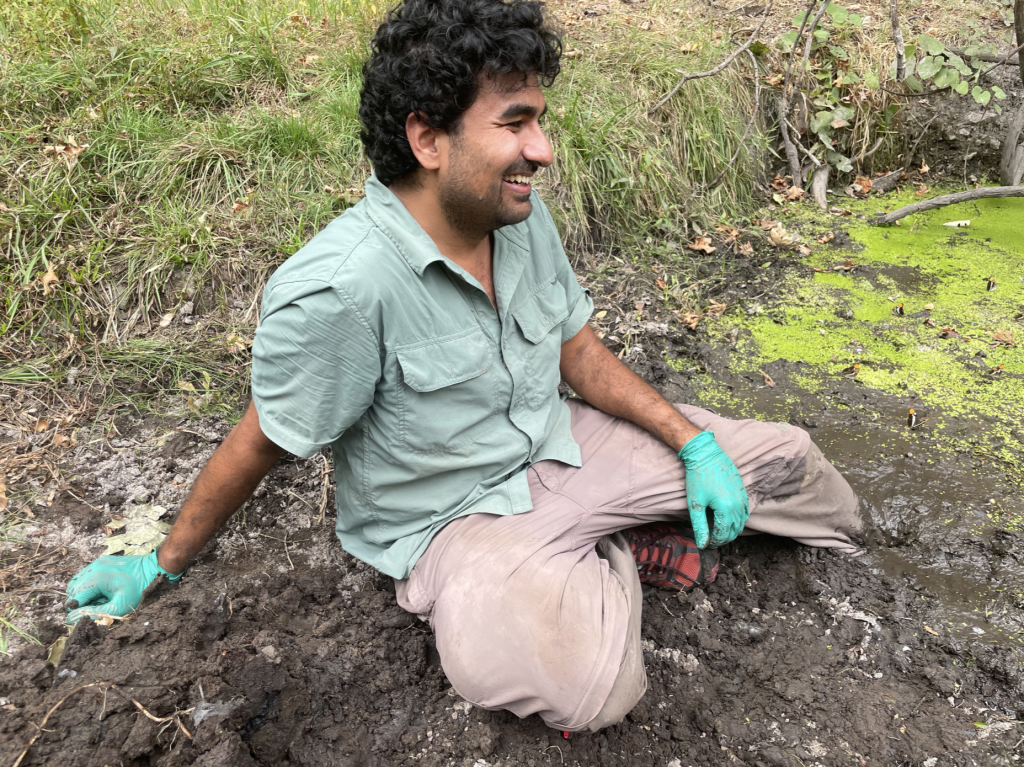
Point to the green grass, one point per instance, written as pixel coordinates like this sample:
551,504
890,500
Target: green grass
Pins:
8,627
220,136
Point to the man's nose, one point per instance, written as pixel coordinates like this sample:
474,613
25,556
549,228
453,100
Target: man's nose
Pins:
537,148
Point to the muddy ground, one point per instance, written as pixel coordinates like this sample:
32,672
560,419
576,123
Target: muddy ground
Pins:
278,648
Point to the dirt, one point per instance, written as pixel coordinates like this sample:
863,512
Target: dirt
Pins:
278,648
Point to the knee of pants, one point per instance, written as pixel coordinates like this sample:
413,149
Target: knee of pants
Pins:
533,645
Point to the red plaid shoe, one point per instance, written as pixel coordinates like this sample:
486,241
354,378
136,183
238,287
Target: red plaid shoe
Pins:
666,559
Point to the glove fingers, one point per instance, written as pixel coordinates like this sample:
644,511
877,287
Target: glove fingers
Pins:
87,612
85,595
699,523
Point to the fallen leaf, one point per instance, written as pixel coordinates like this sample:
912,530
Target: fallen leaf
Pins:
948,332
929,307
929,322
1004,337
143,530
825,238
746,249
773,80
716,309
804,250
847,266
237,343
68,151
49,279
702,244
659,284
930,630
56,651
3,495
924,168
842,212
690,320
41,425
839,123
921,190
239,206
767,379
779,183
729,233
780,237
687,47
794,193
958,224
166,319
92,114
639,305
864,183
767,224
102,619
309,59
601,314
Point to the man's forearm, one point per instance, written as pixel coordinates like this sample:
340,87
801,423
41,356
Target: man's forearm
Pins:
224,484
605,382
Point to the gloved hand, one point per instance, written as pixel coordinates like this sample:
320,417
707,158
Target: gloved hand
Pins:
713,482
113,585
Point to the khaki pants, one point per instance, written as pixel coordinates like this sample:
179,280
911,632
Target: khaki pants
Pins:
539,613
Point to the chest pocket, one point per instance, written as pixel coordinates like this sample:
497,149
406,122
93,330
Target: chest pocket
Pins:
444,394
540,318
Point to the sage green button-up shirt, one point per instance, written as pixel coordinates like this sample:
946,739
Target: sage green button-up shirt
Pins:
433,402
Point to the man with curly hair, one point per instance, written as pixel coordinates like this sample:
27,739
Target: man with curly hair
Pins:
423,335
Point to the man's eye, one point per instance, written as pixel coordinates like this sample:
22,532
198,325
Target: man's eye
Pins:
516,124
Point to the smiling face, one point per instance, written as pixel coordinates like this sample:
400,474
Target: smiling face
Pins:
487,164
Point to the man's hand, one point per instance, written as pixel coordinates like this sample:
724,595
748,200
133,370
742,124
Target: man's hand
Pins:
224,484
713,483
113,585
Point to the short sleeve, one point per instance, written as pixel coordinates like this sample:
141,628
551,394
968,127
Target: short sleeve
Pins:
578,299
315,365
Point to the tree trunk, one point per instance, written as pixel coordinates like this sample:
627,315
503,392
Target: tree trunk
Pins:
1011,166
819,187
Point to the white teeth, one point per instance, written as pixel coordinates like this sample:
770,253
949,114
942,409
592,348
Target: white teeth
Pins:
517,179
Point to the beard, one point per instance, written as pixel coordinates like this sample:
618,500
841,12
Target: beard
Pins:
476,214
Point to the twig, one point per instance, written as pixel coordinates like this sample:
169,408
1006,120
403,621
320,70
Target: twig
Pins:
787,141
897,39
988,58
870,152
39,727
750,124
949,199
711,72
910,157
799,145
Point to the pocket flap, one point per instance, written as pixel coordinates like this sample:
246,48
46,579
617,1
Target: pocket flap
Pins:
539,313
447,362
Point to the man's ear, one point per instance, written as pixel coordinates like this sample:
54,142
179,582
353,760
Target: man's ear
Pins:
424,141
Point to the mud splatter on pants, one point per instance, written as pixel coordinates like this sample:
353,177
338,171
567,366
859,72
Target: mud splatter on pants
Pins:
539,613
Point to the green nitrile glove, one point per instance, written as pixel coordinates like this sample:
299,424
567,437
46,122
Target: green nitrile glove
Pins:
713,482
113,585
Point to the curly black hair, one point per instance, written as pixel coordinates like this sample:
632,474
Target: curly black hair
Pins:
428,57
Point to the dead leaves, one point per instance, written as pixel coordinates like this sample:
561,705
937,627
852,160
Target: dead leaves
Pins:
716,309
825,238
949,332
143,530
68,152
689,319
240,206
48,280
702,244
1003,338
780,237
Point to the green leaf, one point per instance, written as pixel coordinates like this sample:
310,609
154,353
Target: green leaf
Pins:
930,45
839,52
999,109
788,40
855,20
914,84
799,19
961,87
838,13
947,78
910,51
871,80
928,67
821,35
820,121
998,92
981,95
849,78
843,113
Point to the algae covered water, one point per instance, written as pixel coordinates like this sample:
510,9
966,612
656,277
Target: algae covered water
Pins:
899,348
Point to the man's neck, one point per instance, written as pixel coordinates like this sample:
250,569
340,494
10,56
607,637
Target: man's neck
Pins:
468,250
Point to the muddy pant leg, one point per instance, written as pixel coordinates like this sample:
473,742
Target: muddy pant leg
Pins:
527,621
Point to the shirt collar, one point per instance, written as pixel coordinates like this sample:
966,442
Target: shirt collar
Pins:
398,224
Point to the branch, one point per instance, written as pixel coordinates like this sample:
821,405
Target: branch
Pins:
791,154
800,146
711,72
750,124
991,58
897,39
949,199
